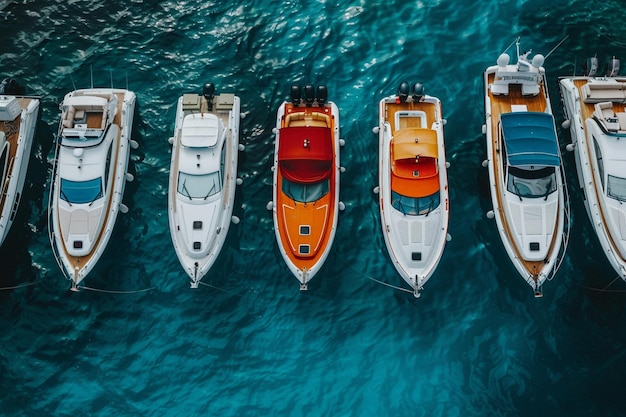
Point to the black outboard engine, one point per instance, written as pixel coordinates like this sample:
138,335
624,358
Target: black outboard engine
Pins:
296,95
11,87
309,94
591,67
403,91
612,68
418,92
322,95
208,90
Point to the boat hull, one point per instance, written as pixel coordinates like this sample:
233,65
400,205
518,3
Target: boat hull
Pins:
18,134
198,227
80,230
524,224
592,144
415,241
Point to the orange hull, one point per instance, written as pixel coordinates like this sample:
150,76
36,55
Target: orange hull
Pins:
306,186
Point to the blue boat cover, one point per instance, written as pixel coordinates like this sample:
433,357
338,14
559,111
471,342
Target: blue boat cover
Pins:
530,139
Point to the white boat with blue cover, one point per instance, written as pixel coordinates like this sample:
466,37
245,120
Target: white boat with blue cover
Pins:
527,182
90,170
203,178
595,113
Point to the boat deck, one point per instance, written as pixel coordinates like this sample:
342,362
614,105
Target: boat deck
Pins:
500,104
79,262
11,130
430,110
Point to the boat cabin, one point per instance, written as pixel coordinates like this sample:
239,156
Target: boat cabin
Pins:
525,73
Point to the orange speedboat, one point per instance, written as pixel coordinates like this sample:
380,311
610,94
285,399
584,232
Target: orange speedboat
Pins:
306,180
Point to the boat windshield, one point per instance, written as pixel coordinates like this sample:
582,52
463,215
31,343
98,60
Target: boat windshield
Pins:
616,188
531,184
305,192
415,206
199,186
81,192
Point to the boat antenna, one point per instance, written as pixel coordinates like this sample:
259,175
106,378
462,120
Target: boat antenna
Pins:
111,76
126,72
511,44
557,45
91,70
73,83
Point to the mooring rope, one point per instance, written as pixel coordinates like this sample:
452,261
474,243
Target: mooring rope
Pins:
115,291
20,286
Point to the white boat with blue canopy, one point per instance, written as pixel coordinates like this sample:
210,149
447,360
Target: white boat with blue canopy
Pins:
527,182
595,113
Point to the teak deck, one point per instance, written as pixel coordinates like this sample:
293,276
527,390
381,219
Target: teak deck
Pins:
503,104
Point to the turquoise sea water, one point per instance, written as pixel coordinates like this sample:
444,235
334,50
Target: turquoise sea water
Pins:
477,343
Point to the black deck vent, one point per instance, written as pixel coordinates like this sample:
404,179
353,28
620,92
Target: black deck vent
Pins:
416,256
305,230
197,224
533,246
197,245
78,244
304,249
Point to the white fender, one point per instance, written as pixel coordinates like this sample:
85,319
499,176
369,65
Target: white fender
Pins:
123,208
375,130
239,181
234,219
130,177
269,205
134,144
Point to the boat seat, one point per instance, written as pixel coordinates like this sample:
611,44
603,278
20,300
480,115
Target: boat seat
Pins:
304,119
605,91
621,118
604,112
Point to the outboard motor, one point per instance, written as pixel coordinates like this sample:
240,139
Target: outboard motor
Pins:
590,67
418,92
403,91
309,94
208,90
296,95
322,95
612,68
11,87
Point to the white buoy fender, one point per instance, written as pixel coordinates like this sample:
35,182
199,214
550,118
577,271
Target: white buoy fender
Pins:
239,181
490,214
123,208
241,147
342,142
566,124
129,177
234,219
134,144
171,140
269,205
342,206
485,163
570,147
375,130
242,115
484,129
376,190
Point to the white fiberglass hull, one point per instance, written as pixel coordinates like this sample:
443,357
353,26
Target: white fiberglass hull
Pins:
80,230
15,161
199,226
415,243
594,146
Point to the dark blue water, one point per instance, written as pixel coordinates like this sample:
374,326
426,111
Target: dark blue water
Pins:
251,344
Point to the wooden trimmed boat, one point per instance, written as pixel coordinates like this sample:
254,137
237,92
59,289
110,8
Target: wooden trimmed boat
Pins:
18,122
595,113
528,188
89,176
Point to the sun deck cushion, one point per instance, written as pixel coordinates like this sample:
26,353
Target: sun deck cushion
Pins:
605,91
305,154
530,139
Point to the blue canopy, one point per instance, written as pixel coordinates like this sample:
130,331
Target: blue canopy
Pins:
530,139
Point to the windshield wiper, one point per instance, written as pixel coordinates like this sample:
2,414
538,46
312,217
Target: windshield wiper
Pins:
65,197
548,191
184,188
518,192
210,191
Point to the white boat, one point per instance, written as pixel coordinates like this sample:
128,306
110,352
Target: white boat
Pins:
18,121
413,183
305,203
596,116
203,177
89,176
527,182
